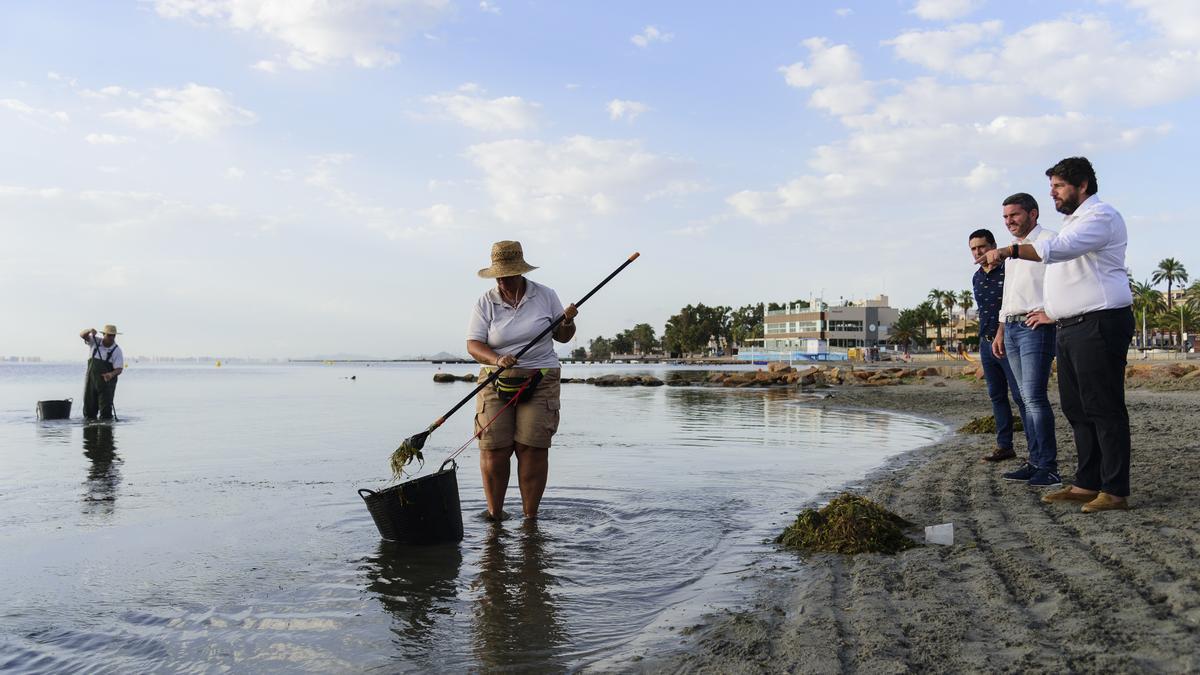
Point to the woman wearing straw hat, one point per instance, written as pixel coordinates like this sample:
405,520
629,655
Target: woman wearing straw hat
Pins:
104,366
504,320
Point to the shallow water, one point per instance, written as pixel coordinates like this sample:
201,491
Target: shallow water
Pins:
216,525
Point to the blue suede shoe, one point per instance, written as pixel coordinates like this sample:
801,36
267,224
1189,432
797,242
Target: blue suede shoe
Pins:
1022,474
1045,478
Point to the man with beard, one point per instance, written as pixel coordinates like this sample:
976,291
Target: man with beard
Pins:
1087,294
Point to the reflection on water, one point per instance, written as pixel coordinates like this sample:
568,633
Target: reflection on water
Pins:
516,622
240,544
103,472
417,585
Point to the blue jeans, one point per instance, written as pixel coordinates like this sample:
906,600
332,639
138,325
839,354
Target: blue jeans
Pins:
1030,353
1000,382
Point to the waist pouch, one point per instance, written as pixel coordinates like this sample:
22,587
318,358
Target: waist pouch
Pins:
507,387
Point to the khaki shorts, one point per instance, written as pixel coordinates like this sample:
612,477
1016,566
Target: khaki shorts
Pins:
531,423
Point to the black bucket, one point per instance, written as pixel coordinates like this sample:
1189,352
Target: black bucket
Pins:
423,510
54,410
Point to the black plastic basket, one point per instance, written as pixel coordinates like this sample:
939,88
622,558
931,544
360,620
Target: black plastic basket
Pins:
54,410
423,510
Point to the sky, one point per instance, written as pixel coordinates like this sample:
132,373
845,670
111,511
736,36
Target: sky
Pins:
284,178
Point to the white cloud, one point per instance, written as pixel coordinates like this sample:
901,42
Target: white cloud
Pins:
843,12
363,32
983,177
234,173
945,10
1075,60
194,110
650,35
26,110
489,7
266,66
107,139
629,110
1178,20
394,222
535,182
506,113
834,73
943,50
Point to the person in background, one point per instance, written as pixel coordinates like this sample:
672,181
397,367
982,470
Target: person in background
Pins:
1087,293
504,320
1028,343
104,367
988,285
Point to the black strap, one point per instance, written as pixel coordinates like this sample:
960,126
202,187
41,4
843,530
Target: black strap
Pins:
96,351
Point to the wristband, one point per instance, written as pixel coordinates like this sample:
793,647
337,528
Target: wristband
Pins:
1016,252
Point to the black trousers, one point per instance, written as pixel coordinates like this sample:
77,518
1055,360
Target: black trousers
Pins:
1091,384
97,394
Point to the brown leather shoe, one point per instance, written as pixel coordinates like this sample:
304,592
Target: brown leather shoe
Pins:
1066,495
1105,502
999,455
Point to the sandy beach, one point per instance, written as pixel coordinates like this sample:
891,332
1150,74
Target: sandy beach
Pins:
1026,586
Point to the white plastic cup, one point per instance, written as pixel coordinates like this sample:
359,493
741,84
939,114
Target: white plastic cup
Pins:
940,534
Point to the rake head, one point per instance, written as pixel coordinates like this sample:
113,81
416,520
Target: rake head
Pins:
409,450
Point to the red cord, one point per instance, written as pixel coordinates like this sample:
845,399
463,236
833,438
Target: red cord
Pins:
479,433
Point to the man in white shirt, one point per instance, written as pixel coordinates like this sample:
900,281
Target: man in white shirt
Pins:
104,366
1028,339
1087,293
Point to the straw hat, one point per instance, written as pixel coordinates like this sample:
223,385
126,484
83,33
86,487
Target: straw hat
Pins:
508,260
110,329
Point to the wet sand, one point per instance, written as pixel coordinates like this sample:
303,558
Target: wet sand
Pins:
1026,586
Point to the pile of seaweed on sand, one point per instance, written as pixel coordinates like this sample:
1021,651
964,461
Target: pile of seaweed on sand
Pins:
987,425
848,524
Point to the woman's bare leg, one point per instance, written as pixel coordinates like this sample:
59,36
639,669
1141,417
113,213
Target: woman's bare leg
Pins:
533,465
494,466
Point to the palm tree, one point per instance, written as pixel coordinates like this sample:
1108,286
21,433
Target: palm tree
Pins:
1148,301
965,300
1193,296
1171,271
927,314
949,299
937,301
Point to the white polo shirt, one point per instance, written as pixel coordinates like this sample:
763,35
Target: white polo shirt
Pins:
98,350
507,329
1024,279
1085,263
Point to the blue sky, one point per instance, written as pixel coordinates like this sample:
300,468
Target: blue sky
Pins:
287,177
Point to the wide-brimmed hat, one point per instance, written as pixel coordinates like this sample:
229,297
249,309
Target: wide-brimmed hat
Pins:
508,260
110,329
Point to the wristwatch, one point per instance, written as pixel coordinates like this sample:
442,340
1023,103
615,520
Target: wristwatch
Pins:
1016,252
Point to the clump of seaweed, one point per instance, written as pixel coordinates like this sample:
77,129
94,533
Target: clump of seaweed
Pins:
848,524
403,456
987,425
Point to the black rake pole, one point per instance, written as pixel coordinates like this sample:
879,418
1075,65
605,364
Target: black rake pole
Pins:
417,441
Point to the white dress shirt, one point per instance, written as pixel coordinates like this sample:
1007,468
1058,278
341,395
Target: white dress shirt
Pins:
507,329
1085,263
1023,279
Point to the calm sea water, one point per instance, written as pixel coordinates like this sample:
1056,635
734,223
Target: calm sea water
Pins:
216,527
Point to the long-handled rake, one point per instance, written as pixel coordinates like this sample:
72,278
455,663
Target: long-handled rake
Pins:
410,448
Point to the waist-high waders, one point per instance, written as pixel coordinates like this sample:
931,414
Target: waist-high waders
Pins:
98,394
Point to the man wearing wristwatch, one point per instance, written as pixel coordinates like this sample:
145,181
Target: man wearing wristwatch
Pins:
1027,341
1087,293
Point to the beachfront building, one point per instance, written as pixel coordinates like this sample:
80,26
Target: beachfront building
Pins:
820,328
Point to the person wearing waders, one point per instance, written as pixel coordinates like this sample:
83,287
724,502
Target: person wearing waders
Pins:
104,366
